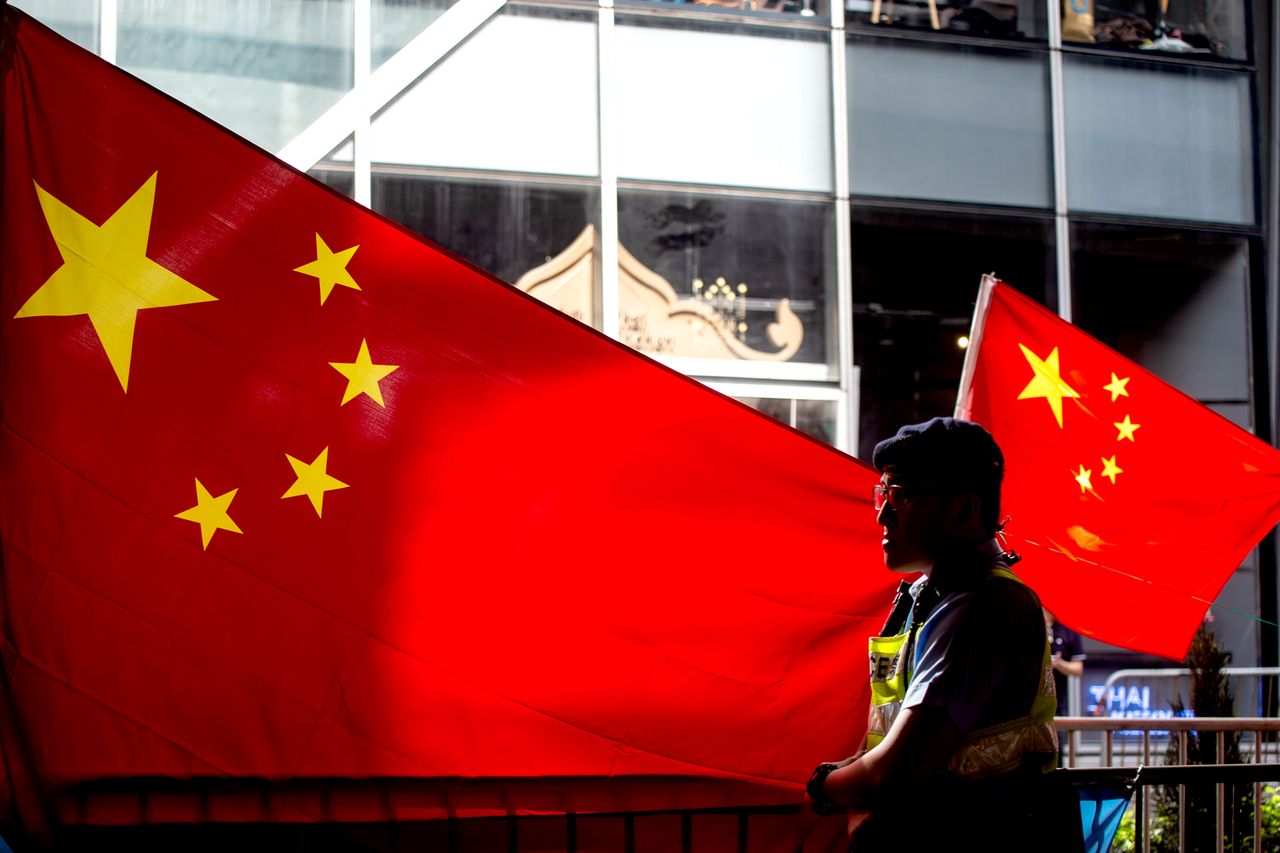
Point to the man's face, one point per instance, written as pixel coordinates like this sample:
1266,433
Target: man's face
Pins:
913,521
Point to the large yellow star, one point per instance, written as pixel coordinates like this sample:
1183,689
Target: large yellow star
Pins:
313,480
1117,387
210,513
1126,428
1110,469
330,268
106,273
363,376
1047,382
1082,477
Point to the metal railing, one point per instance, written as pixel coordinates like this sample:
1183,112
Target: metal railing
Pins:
1252,731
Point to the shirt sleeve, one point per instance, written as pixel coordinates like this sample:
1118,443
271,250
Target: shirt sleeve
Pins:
952,673
1072,646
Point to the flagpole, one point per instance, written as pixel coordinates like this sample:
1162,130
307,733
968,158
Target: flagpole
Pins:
985,287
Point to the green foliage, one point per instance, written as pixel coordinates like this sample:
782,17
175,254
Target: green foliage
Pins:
1210,697
1126,840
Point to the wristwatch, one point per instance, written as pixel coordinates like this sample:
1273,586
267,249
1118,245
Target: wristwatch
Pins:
815,789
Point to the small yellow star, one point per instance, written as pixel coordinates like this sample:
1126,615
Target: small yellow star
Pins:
313,480
330,268
1126,428
363,376
1083,479
1116,387
1110,469
210,513
1047,382
107,275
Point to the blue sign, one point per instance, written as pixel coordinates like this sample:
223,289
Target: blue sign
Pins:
1129,702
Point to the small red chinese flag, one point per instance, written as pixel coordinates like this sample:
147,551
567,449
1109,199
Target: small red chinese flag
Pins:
1133,502
289,492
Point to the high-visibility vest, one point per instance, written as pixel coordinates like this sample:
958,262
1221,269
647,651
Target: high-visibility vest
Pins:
984,752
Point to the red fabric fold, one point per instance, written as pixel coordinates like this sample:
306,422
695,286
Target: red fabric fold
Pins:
524,551
1133,502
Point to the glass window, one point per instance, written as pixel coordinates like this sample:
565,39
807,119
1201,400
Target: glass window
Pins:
1214,28
1240,414
727,106
720,276
342,180
75,20
987,18
395,23
518,95
761,9
812,417
508,228
969,125
1236,628
1159,140
915,282
1176,302
264,68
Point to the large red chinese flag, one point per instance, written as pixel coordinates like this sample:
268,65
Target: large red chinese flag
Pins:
1134,502
290,492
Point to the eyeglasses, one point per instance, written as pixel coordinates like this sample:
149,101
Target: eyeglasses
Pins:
893,495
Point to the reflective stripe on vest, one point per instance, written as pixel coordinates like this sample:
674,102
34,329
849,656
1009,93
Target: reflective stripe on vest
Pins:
888,683
985,752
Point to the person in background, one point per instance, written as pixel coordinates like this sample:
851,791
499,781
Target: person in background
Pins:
1068,661
1068,657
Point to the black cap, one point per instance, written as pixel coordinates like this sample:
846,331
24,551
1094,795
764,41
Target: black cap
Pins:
952,451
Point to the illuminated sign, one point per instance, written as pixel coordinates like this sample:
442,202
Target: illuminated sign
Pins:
1130,702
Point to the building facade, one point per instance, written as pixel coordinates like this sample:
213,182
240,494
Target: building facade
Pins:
790,200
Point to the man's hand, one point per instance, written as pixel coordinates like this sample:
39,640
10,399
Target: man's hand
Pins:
915,749
1074,668
815,796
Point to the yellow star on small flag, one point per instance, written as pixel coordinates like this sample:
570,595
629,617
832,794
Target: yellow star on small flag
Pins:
107,275
363,376
313,480
1117,387
1126,428
1110,469
1083,478
330,268
210,513
1047,382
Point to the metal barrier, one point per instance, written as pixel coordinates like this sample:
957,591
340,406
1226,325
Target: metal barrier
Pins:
463,815
1182,672
1180,774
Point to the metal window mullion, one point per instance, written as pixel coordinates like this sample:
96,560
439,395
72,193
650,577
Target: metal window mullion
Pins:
846,374
391,78
1058,135
362,67
109,30
1272,226
606,117
773,390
